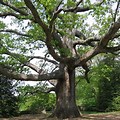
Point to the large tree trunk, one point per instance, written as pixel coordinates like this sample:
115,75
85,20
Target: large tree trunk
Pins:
65,96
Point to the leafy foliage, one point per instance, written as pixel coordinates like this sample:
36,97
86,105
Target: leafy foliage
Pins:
109,85
102,94
32,99
8,101
86,95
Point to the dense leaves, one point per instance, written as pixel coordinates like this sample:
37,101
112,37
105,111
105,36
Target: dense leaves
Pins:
33,99
8,100
109,85
102,94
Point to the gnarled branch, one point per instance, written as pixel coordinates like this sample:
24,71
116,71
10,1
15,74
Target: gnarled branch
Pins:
29,77
111,33
88,41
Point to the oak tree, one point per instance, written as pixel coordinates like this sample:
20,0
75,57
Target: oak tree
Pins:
70,32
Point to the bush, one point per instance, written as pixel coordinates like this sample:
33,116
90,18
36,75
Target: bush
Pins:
109,85
8,101
86,96
115,106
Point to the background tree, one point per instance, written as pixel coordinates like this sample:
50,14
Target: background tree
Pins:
33,99
8,100
103,92
109,85
62,28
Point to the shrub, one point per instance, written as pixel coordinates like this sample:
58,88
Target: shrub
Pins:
8,101
115,106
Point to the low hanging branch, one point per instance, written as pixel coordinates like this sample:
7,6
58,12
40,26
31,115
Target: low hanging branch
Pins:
30,77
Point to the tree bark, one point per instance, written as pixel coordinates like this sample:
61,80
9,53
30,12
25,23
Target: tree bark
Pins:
65,96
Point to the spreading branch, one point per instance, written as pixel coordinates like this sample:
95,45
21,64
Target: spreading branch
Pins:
29,77
111,49
43,58
77,9
15,32
116,35
13,7
87,56
83,40
16,56
88,41
110,34
27,61
32,66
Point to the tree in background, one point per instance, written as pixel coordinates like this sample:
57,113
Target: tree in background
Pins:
109,84
68,39
8,100
33,99
103,92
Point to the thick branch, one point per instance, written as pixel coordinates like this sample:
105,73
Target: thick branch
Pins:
43,58
54,17
55,54
77,9
36,15
29,77
111,33
88,41
32,66
111,49
87,56
16,56
57,37
55,14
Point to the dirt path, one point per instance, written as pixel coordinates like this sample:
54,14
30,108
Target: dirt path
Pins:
104,116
